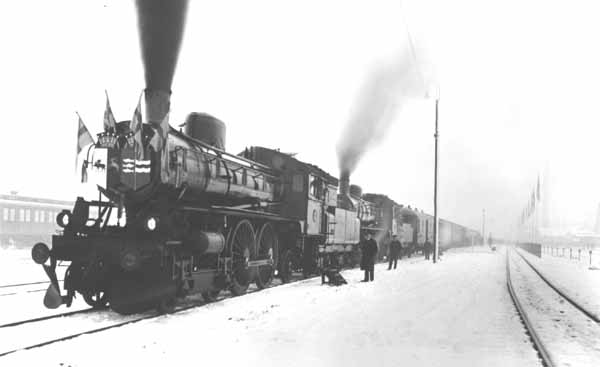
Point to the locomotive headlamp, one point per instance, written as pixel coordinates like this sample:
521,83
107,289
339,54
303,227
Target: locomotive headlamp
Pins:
130,260
63,218
151,224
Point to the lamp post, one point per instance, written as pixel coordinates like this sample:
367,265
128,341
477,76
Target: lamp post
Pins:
483,229
435,187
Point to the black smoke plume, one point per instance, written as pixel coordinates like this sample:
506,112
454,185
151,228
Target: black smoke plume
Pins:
385,90
161,24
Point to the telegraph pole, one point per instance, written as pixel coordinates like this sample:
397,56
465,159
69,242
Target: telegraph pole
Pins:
435,189
483,229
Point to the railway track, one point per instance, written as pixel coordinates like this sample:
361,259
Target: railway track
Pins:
557,289
23,284
24,288
43,318
561,331
28,342
22,334
92,318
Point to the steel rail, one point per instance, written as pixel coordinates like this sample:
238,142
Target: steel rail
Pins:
561,293
37,319
24,284
545,356
93,331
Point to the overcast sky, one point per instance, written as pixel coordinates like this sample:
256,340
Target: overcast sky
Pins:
518,87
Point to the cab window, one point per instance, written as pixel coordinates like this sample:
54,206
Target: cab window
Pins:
316,187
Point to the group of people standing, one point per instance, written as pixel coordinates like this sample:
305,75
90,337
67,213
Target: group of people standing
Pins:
370,248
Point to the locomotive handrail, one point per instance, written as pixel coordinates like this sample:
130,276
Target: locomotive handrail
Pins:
229,210
206,146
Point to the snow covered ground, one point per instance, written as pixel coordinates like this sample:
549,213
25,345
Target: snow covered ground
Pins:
570,337
580,283
454,313
16,266
27,303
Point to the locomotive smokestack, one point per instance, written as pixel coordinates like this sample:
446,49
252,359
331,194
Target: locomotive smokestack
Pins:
158,103
344,197
345,183
160,26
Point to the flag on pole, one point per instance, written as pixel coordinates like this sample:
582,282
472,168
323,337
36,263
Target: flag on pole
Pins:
84,138
136,129
109,118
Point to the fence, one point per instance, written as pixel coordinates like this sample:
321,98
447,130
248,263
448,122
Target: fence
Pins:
587,256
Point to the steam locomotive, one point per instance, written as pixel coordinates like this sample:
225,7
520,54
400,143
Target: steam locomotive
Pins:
191,218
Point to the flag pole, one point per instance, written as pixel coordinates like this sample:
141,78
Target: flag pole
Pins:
483,228
77,147
135,145
435,189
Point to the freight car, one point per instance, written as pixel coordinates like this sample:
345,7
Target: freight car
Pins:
414,227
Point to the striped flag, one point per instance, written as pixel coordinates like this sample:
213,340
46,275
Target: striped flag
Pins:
109,118
136,129
83,136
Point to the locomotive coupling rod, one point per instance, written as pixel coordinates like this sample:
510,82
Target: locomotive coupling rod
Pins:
260,262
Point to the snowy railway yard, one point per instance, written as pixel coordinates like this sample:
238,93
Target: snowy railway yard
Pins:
565,332
454,313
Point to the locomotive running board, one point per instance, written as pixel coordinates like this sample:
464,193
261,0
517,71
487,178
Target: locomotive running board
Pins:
238,212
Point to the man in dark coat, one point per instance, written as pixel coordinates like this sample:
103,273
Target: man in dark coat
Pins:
394,251
369,252
427,248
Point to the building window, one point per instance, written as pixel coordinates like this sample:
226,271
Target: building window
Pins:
36,216
5,210
12,214
21,215
28,215
49,217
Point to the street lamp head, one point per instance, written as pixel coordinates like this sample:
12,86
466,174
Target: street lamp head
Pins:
433,91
